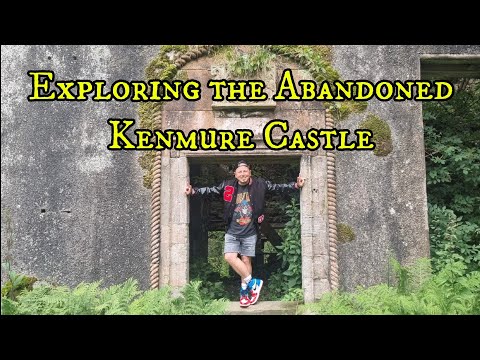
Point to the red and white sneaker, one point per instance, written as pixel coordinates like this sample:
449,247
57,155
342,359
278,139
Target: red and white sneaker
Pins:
244,299
254,286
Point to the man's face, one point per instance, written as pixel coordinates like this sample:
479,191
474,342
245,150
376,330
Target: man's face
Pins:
242,174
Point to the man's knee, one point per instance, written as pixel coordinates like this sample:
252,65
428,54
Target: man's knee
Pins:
246,260
230,257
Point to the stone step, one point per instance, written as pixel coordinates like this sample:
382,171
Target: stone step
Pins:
264,308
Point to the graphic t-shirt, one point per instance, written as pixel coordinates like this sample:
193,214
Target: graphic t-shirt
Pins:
242,224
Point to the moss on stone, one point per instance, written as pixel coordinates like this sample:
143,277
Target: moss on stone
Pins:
182,75
162,67
346,108
147,162
345,233
382,135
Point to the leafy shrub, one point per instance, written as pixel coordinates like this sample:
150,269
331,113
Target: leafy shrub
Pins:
452,239
452,150
282,284
16,282
212,282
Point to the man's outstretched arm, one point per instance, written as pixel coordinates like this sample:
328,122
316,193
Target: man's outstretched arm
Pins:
285,187
201,191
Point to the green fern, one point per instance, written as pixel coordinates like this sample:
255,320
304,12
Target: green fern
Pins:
155,302
116,299
195,304
123,299
83,299
9,307
451,291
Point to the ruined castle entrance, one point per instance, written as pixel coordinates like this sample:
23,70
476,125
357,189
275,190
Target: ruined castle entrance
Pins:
181,226
181,233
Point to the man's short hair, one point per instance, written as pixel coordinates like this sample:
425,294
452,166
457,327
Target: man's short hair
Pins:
242,163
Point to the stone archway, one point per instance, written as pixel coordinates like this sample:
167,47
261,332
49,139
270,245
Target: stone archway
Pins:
170,207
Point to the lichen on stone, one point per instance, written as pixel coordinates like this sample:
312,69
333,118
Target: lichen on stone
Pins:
345,233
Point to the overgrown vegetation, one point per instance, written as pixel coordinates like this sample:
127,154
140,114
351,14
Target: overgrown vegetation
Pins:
215,272
16,282
452,150
449,282
286,283
123,299
245,65
451,291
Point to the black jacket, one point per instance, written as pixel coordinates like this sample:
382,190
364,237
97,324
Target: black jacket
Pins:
256,190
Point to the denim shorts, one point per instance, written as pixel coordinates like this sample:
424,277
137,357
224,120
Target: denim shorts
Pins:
241,246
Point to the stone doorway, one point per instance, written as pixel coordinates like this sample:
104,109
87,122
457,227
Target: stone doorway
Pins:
170,242
175,217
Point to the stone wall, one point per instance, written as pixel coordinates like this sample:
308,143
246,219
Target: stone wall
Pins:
383,199
79,212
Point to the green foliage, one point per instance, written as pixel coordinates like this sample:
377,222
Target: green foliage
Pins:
161,67
293,294
156,302
450,282
247,65
450,291
452,239
315,58
409,279
16,282
215,253
191,302
123,299
116,299
289,276
214,273
452,150
212,280
195,304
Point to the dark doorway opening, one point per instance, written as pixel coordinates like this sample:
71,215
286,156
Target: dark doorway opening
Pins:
207,229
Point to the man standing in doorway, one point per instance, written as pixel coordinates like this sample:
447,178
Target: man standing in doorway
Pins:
244,200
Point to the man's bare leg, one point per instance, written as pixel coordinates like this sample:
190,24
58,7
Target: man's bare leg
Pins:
238,265
247,260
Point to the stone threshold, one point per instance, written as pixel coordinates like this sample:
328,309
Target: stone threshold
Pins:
264,308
